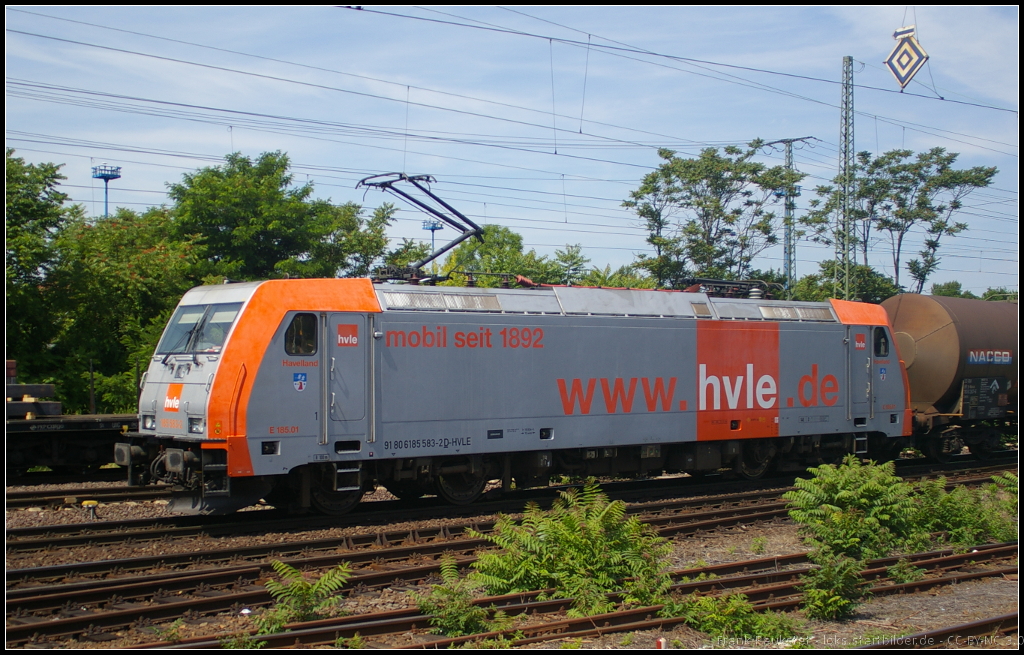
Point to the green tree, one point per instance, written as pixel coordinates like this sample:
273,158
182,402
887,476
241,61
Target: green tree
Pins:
500,252
721,203
654,202
624,276
867,284
897,192
114,285
252,222
1000,293
246,216
571,264
35,216
952,289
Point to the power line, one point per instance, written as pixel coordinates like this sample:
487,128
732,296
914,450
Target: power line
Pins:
662,55
338,72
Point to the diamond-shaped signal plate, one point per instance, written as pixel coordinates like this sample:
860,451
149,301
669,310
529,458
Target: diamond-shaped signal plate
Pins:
906,59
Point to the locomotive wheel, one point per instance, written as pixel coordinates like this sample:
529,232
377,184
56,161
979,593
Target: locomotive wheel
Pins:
756,459
324,499
461,488
334,503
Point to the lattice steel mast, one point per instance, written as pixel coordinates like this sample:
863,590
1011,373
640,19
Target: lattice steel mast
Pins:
841,287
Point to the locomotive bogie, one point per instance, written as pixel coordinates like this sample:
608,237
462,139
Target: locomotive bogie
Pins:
313,391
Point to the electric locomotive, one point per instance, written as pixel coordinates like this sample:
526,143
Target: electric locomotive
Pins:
307,393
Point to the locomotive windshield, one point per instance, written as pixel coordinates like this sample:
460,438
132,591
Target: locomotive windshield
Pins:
198,328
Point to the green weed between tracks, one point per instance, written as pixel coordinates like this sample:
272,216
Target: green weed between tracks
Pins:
857,511
586,548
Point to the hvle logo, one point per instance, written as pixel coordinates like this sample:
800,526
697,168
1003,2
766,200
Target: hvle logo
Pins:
173,398
348,335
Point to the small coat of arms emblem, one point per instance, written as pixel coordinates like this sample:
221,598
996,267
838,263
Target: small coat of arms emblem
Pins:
299,381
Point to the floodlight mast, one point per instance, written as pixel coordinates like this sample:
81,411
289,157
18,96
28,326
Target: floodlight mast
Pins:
106,173
467,229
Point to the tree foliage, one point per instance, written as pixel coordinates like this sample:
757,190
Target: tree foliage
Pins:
708,213
35,214
571,264
500,252
866,284
116,282
952,289
251,222
895,193
83,290
624,277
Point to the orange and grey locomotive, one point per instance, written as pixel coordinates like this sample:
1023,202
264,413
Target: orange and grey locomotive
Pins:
307,393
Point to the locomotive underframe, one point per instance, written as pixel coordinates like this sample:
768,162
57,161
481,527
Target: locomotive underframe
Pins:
202,484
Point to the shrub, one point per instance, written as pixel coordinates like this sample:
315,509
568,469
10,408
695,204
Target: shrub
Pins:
450,604
298,599
903,572
584,547
834,589
853,510
731,616
241,640
354,642
966,516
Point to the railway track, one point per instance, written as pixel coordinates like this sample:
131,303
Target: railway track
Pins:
973,634
118,601
687,516
102,533
765,582
75,496
378,564
386,558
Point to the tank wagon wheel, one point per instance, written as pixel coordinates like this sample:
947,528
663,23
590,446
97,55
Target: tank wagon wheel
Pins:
983,449
756,459
326,500
942,449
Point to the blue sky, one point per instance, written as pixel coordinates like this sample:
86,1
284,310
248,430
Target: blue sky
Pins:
519,120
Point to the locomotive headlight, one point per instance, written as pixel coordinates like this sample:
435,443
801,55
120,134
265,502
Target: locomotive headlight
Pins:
196,425
148,422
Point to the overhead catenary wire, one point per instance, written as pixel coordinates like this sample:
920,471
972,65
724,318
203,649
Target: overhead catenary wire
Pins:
515,32
821,157
377,96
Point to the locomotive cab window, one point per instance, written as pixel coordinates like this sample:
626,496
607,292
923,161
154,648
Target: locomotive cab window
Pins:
300,338
881,343
198,328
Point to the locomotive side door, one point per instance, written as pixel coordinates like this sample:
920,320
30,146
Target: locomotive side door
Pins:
859,363
346,368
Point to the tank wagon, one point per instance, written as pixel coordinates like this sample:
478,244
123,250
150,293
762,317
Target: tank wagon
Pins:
309,392
959,356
